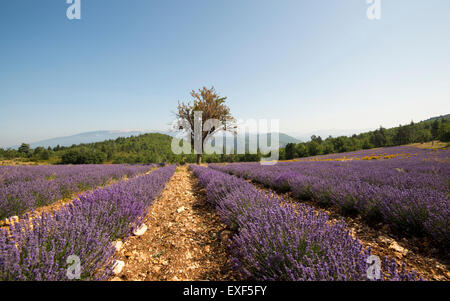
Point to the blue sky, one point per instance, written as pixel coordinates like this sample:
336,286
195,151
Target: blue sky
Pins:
314,65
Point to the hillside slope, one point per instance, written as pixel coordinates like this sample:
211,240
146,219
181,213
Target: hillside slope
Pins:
155,147
437,128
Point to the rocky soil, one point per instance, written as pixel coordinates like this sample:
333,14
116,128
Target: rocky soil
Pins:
418,254
185,239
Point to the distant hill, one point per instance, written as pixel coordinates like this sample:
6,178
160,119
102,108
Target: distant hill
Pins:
88,137
126,147
284,139
145,148
436,128
438,118
306,136
136,147
99,136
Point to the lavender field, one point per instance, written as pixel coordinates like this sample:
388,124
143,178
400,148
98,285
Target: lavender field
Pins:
23,188
278,241
405,187
271,237
38,249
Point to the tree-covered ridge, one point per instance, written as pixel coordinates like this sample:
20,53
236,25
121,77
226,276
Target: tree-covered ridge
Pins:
146,148
437,128
156,148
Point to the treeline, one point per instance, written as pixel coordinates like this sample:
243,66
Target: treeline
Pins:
143,149
425,131
25,152
156,148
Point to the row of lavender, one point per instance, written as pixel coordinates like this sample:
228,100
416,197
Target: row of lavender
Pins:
23,188
276,240
410,194
386,152
87,228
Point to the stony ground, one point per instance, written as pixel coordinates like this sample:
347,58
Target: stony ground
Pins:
418,254
185,240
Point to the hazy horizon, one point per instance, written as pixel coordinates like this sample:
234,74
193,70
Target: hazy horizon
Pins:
303,136
315,66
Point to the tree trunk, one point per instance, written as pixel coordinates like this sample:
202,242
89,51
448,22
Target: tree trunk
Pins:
199,159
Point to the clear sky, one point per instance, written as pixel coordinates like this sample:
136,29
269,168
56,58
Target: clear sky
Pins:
314,65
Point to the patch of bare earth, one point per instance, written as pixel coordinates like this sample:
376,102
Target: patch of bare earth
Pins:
418,254
185,240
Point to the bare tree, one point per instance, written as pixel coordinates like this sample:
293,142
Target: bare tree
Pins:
211,106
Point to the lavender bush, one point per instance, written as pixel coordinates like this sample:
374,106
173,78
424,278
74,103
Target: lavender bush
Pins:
28,187
38,250
279,241
409,192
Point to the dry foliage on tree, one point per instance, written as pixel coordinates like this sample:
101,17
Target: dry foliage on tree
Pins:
212,107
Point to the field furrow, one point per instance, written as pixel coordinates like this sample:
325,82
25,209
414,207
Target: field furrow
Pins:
407,192
81,233
185,241
413,253
275,240
25,188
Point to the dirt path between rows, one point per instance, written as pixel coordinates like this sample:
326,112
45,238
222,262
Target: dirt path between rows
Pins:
381,241
185,240
50,208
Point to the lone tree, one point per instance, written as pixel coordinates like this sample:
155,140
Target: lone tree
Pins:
211,106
